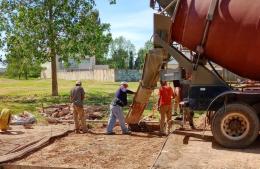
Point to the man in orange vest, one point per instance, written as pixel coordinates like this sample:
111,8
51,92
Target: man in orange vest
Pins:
166,95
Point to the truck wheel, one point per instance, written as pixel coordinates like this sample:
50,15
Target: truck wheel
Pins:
235,126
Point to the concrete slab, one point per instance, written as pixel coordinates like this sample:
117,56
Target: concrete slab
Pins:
192,150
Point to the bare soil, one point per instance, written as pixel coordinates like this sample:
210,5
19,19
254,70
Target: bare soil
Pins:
18,136
187,149
97,150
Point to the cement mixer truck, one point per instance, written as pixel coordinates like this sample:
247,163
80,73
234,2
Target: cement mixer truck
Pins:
223,32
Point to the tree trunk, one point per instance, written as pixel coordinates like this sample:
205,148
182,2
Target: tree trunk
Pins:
54,74
52,50
26,74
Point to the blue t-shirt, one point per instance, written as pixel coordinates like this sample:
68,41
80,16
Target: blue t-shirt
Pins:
121,96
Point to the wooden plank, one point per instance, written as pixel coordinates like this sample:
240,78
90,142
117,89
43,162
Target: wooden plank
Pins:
88,121
9,166
32,147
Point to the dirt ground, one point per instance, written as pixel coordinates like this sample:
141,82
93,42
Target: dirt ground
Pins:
18,136
184,150
97,150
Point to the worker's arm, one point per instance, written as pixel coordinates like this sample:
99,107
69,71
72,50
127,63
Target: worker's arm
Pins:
71,96
130,92
173,93
83,94
159,100
158,103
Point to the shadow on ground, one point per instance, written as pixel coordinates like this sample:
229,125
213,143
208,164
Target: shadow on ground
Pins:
207,137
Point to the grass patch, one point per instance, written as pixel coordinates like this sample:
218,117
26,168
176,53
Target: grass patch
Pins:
30,95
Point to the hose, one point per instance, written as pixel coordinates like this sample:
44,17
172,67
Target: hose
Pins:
160,152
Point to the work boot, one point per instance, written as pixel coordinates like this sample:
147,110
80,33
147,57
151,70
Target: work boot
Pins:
127,133
168,132
179,118
192,127
77,131
162,134
85,131
110,133
175,114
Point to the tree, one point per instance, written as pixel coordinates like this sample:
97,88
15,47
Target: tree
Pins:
118,60
131,60
112,2
64,28
20,58
139,62
119,52
140,59
22,64
22,67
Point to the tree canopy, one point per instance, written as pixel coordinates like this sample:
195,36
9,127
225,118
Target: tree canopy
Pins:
121,52
44,29
139,62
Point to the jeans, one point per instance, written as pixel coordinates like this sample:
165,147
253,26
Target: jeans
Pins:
116,112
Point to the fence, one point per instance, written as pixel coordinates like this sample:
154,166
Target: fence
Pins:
98,75
115,75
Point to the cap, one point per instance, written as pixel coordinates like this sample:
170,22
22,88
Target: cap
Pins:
78,82
123,83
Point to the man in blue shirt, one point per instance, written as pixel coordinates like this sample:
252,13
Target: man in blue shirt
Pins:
116,109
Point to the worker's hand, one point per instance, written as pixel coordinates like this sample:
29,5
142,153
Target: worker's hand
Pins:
158,108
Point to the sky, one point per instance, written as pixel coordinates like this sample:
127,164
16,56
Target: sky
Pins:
132,19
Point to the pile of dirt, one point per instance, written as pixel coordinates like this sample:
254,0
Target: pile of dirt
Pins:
60,113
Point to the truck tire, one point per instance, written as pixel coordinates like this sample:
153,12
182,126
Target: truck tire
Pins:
235,126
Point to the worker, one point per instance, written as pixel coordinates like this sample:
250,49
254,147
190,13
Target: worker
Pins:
188,112
166,95
5,119
77,97
185,104
177,99
178,92
116,109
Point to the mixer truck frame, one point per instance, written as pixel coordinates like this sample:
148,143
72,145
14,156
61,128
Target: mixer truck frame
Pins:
233,115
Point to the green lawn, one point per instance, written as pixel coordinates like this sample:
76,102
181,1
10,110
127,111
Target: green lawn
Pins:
30,95
20,95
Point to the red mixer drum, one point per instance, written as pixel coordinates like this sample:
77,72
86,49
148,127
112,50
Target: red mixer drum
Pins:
234,34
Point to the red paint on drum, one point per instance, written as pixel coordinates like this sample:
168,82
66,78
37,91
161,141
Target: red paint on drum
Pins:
233,39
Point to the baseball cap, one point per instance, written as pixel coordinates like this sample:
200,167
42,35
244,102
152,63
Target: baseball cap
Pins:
78,82
124,83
